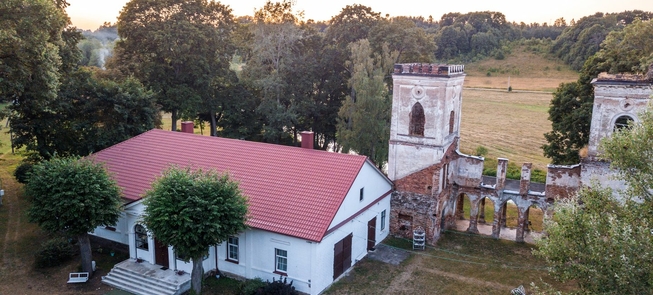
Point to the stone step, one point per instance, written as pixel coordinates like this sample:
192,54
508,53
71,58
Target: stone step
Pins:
135,289
137,285
145,280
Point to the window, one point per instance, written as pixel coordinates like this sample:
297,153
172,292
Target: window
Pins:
622,122
383,220
232,249
361,194
451,121
281,260
416,126
140,235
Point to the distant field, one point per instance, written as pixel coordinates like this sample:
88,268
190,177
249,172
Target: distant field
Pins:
510,124
524,70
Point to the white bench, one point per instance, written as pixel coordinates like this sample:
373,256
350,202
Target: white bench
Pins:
77,277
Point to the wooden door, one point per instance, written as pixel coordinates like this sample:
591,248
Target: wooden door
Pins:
371,234
161,254
341,256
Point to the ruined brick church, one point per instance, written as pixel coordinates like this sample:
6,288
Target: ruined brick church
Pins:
431,176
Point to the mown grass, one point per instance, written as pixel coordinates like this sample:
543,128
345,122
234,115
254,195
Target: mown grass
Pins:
509,124
459,264
523,69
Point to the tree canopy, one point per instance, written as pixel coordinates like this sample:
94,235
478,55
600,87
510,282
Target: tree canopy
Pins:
73,196
364,118
192,210
603,243
176,48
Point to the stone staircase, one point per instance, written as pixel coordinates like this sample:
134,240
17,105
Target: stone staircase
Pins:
146,279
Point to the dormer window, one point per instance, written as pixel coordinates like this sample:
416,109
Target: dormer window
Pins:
416,126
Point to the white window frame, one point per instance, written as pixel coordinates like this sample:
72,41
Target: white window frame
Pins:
140,238
231,245
280,260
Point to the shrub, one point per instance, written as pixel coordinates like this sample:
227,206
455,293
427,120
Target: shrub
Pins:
251,287
509,88
54,252
278,288
480,151
23,172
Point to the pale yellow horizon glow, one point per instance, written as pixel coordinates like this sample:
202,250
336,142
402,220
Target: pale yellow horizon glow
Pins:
89,15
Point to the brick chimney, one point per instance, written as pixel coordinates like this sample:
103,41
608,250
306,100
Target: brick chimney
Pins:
187,127
307,139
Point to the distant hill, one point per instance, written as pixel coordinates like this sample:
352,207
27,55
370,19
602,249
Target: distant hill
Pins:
527,67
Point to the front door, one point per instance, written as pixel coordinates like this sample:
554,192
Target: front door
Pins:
161,254
371,234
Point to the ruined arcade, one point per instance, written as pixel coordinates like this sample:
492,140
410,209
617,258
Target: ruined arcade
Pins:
432,177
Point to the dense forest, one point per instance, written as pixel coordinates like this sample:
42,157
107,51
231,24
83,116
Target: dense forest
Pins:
263,77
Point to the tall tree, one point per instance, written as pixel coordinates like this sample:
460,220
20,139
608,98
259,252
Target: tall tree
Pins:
192,210
176,48
276,36
364,118
412,43
570,112
37,52
605,244
73,196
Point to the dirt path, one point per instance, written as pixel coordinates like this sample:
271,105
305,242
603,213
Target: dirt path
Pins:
398,285
468,280
14,220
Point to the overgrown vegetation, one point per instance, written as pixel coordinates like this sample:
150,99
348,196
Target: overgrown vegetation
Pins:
513,171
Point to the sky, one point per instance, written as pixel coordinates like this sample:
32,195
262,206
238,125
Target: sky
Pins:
90,14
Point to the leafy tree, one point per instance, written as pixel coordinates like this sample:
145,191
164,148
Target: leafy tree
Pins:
192,210
276,37
364,119
570,112
176,48
582,40
353,23
73,196
411,42
30,37
90,114
602,243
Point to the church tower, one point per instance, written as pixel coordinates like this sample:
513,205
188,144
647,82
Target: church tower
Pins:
426,105
618,100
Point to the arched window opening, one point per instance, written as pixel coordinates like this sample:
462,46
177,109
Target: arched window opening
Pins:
140,234
416,126
622,122
451,120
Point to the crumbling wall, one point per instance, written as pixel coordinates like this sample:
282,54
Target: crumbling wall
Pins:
468,170
562,181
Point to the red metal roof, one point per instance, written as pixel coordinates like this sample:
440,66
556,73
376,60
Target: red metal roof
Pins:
290,190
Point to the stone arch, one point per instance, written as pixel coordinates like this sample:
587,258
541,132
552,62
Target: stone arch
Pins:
486,211
417,120
534,218
622,121
451,121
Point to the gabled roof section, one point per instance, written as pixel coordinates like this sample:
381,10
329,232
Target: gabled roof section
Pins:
290,190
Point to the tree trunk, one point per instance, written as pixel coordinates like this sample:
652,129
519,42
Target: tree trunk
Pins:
174,120
196,275
85,253
213,123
